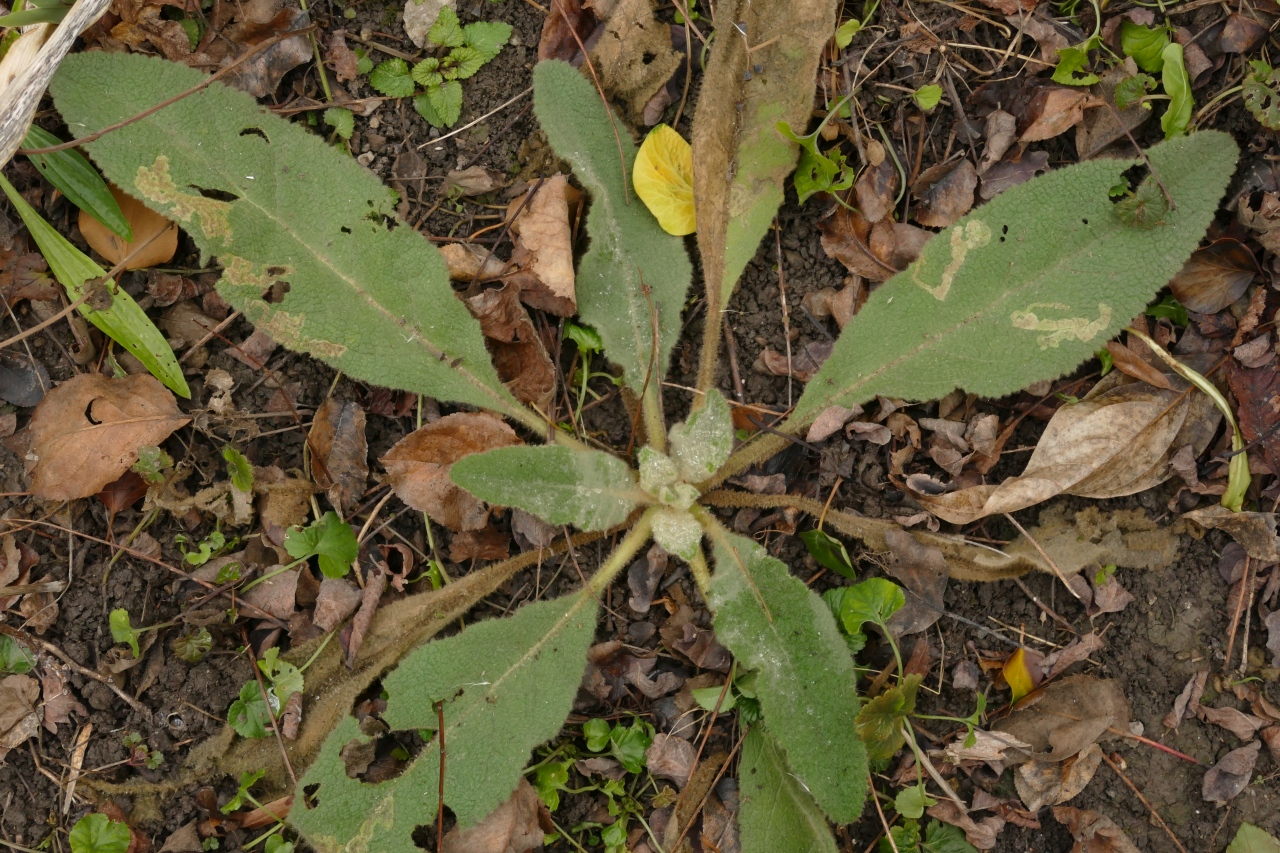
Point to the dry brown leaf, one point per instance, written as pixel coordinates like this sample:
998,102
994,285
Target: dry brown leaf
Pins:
1273,636
470,262
155,239
1010,173
18,718
518,352
672,757
804,363
829,421
544,249
1048,783
987,746
1215,276
876,189
58,700
1226,779
1257,391
476,180
566,19
87,432
643,578
1116,441
513,827
633,56
418,466
283,501
1131,364
1271,737
1255,531
1001,130
1059,110
874,251
1079,649
944,193
1106,123
340,58
337,600
352,636
1063,718
923,572
276,595
487,544
257,21
981,834
339,452
1109,597
1188,700
1240,724
1264,219
1011,7
1093,832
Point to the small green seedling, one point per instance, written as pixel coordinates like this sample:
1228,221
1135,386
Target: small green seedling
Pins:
152,463
462,51
141,755
247,781
938,837
850,28
238,469
249,715
818,172
330,539
829,551
927,97
97,833
193,646
589,344
1104,575
122,630
627,744
206,549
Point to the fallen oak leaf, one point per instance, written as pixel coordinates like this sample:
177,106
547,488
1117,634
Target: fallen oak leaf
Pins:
87,432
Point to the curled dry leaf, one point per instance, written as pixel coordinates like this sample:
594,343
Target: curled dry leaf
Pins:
1065,717
516,826
518,352
1048,783
805,361
88,431
1055,111
944,193
567,19
981,834
1240,724
876,189
155,239
1001,130
874,251
1226,779
672,757
1215,276
1257,391
340,452
1078,650
1093,832
1188,700
1255,531
1116,441
337,600
487,544
418,466
1105,123
340,58
1134,365
987,746
544,249
478,180
18,718
923,572
471,262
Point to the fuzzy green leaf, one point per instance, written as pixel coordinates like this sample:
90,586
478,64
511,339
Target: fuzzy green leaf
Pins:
1251,839
633,268
1024,288
1177,85
776,814
77,179
701,444
366,293
507,686
123,321
589,489
774,624
392,78
678,532
740,161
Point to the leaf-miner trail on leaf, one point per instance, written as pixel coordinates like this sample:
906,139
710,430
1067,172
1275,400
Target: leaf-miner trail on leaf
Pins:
972,236
157,185
1061,330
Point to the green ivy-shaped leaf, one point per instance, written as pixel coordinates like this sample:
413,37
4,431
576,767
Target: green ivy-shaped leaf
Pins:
446,31
880,721
330,539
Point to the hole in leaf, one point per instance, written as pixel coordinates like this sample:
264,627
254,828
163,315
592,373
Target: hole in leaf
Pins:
217,195
309,799
387,222
88,414
276,294
424,835
275,271
255,131
345,230
648,57
1084,221
385,757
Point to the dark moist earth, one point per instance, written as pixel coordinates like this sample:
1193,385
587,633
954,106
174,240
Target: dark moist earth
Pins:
1176,625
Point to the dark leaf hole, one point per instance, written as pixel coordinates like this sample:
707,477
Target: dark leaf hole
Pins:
309,796
88,414
1132,177
424,835
648,57
217,195
1084,221
388,222
382,759
345,230
255,131
277,292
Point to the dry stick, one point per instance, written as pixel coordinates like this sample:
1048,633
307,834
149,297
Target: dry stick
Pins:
782,296
84,140
871,785
731,346
472,124
1155,814
1057,571
715,712
210,335
710,788
1248,616
266,700
440,796
1235,619
586,60
1049,611
25,638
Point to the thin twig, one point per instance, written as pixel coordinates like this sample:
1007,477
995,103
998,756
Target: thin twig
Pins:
1042,553
1155,814
26,639
266,701
710,788
871,786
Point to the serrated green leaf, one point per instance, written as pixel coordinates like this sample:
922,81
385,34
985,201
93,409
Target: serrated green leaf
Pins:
1177,85
817,172
248,715
632,268
1133,89
446,102
879,723
702,443
330,539
1262,94
1026,287
776,814
773,623
467,61
122,631
1145,44
1251,839
97,833
124,321
589,489
367,294
427,72
446,31
422,104
151,464
488,37
77,179
740,161
507,686
392,78
342,120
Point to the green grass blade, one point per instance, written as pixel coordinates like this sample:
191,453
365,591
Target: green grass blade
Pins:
633,268
77,179
1026,287
277,206
507,686
124,321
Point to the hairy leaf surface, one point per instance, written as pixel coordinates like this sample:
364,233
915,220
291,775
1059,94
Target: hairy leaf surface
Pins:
806,682
702,443
589,489
633,268
290,217
740,161
507,686
1026,287
776,814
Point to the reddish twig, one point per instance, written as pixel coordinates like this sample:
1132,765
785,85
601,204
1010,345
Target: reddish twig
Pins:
1155,814
440,799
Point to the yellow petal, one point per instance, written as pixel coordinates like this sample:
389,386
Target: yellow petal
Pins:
663,178
1018,675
